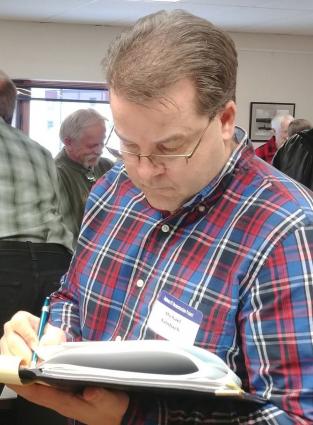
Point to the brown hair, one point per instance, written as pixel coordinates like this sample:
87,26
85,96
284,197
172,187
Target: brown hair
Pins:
7,97
165,47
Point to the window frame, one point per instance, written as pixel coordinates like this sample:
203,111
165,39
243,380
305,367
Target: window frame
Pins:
22,111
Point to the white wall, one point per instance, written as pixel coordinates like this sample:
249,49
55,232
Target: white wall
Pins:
272,68
54,51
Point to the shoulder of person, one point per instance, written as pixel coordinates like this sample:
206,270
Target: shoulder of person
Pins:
28,143
105,164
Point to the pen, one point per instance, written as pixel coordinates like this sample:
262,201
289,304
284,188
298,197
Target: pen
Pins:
42,323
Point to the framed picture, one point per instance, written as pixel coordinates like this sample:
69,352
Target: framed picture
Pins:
261,114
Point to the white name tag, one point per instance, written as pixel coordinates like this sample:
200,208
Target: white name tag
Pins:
174,320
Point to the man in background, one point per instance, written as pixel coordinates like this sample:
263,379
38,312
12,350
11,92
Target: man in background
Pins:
295,157
298,125
35,245
79,164
279,125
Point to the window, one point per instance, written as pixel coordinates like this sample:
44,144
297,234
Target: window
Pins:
43,105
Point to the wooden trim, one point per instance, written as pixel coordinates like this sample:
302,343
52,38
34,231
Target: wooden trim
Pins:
23,115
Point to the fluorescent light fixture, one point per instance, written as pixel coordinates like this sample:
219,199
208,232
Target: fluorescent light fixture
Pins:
151,1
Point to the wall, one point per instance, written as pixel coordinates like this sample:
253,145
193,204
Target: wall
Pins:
54,51
272,68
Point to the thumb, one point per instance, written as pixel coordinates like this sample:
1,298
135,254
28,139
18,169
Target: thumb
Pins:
93,394
52,336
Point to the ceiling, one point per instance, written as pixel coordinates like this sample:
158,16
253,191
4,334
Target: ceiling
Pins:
267,16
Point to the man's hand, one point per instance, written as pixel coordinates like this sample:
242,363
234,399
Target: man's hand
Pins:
95,406
20,336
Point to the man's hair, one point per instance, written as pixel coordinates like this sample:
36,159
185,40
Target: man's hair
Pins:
298,125
166,47
74,124
7,97
277,120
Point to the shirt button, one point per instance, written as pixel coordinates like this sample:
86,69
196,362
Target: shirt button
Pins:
140,283
118,338
201,208
165,228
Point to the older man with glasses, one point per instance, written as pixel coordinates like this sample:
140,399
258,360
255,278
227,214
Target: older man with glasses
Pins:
192,216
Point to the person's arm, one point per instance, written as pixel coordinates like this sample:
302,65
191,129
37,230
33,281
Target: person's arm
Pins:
94,406
275,323
64,305
274,320
67,202
276,328
64,311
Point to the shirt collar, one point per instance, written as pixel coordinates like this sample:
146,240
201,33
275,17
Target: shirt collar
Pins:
220,181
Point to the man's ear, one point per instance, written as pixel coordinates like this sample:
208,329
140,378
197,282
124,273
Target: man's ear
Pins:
68,142
228,120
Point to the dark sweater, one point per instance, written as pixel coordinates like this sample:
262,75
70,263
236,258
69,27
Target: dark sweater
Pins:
75,183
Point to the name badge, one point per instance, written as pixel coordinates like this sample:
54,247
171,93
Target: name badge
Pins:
174,320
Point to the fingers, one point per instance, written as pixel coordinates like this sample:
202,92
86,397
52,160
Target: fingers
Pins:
95,395
52,336
43,395
96,406
103,406
20,335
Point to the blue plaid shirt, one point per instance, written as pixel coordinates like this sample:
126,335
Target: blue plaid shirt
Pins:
240,252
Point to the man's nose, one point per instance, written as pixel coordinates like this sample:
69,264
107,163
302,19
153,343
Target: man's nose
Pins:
146,168
98,150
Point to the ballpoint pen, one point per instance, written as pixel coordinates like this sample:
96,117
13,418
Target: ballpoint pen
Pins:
42,323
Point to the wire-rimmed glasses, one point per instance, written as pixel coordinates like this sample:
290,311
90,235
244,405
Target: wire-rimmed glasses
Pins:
164,159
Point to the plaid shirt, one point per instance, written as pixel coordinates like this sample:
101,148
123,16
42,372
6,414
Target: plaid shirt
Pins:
240,252
29,205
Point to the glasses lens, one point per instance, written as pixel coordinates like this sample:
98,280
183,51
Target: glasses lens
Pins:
116,148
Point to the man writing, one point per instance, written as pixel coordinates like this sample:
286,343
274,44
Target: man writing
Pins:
193,213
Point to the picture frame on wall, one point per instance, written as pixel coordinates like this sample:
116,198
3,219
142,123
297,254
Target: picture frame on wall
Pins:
261,114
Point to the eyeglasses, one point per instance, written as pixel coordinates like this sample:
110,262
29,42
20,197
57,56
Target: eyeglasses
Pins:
163,159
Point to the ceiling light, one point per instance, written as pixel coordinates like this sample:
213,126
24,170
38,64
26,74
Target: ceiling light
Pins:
150,1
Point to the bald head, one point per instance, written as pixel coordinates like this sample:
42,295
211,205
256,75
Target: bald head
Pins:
7,97
298,125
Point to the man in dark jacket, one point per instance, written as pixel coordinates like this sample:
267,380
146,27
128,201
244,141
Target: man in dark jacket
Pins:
295,158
